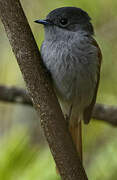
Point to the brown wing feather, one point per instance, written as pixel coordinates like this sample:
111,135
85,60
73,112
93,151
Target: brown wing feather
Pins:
88,110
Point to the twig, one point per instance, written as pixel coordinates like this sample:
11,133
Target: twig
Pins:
102,112
14,94
106,113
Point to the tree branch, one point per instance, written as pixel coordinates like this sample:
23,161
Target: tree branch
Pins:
40,90
106,113
101,112
14,94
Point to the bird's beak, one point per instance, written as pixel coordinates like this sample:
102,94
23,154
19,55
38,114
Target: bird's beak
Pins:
41,21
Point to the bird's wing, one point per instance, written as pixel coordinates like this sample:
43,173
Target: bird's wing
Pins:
88,110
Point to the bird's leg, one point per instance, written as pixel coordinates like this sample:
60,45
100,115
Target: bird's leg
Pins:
67,116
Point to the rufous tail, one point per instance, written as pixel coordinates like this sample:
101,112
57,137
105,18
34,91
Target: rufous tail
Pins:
76,133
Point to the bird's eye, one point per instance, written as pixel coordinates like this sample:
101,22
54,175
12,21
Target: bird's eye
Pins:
63,21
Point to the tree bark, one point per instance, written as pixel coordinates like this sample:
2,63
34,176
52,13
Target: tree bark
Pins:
106,113
14,95
101,112
40,90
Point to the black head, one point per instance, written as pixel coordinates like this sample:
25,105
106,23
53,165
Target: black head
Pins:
69,18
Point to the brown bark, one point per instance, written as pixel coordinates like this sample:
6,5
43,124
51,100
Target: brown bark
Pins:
106,113
40,90
14,95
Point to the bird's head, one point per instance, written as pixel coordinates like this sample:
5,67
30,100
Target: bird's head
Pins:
65,20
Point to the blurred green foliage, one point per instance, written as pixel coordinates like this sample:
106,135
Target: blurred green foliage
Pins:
20,158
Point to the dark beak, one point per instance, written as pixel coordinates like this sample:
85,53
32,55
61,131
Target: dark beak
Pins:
41,21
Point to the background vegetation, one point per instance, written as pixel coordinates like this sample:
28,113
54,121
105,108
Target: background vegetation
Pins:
24,154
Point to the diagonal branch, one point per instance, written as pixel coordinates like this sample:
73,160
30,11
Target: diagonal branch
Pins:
102,112
40,90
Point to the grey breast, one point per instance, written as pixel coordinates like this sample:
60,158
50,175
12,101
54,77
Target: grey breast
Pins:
73,65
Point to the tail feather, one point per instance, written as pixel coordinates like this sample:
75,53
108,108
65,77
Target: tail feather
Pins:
76,133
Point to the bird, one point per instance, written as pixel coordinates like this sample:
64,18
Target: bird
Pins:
72,56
